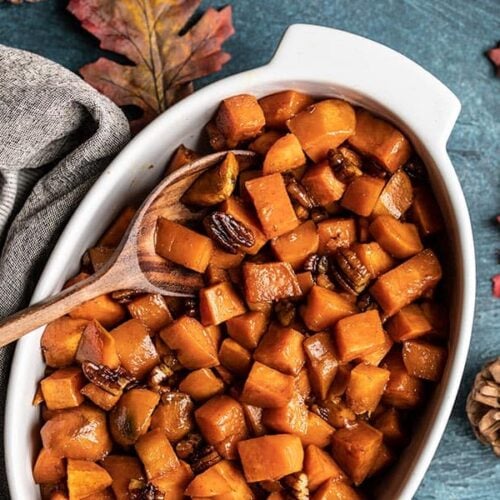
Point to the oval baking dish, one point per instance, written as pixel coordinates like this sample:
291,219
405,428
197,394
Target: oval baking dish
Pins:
319,61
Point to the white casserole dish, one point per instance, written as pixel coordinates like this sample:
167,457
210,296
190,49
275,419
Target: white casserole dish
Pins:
319,61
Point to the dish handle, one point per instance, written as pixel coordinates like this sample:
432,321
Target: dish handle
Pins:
372,75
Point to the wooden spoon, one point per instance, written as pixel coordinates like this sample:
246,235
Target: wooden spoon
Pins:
134,264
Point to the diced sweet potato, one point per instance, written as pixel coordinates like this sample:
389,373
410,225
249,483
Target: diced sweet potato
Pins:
407,282
215,275
319,432
400,239
324,308
336,233
156,453
60,341
409,323
302,384
320,466
355,449
122,469
99,256
100,397
219,303
322,362
396,197
173,483
385,458
270,457
239,118
425,213
285,154
365,388
336,490
131,416
61,389
390,425
291,418
86,478
323,126
135,348
281,106
253,416
306,282
272,204
49,467
340,381
182,245
115,232
174,415
358,335
375,357
98,346
181,157
269,282
248,328
152,310
267,388
322,184
424,360
294,247
380,140
437,315
362,194
225,260
201,384
102,309
374,258
234,357
195,348
338,413
262,144
281,349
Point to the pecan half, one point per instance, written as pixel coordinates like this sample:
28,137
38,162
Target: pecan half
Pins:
316,264
139,490
345,169
159,378
299,194
187,447
204,458
110,380
285,312
296,486
349,272
229,233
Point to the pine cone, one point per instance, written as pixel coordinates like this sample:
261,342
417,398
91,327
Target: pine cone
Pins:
483,405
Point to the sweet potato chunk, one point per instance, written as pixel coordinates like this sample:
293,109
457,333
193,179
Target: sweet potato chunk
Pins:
376,356
318,433
201,384
336,490
61,389
115,232
248,328
182,245
98,256
396,197
173,483
281,349
195,349
270,457
294,247
323,126
86,479
280,107
156,453
407,282
174,415
272,204
390,425
358,334
409,323
181,157
49,467
285,154
100,397
365,388
324,308
219,303
291,418
424,360
425,213
374,258
269,282
322,184
400,239
306,282
336,233
102,309
122,469
135,348
320,466
355,449
262,145
152,310
98,346
380,140
267,388
362,194
234,357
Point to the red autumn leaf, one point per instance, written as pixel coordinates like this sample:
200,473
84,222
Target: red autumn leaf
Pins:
494,56
496,286
150,34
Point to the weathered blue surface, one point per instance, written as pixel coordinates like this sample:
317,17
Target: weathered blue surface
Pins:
447,37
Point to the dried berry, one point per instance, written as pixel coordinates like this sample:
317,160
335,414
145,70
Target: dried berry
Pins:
299,194
139,490
204,458
285,312
191,307
229,233
112,381
349,272
296,486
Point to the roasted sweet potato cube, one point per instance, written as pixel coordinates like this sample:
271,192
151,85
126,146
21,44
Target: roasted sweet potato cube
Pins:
182,245
285,154
98,256
152,310
86,479
201,384
235,357
425,213
323,126
424,360
374,258
253,416
407,282
102,309
291,418
358,335
336,490
173,483
248,328
306,282
156,453
135,348
267,388
336,233
340,381
409,323
98,346
239,118
131,416
49,467
215,275
437,315
396,197
182,156
218,303
375,357
194,346
319,432
400,239
174,415
380,140
272,204
294,247
365,388
271,457
261,146
362,194
320,466
324,308
281,106
225,260
60,341
322,184
355,449
384,459
269,282
61,389
100,397
281,349
122,469
390,425
113,235
322,362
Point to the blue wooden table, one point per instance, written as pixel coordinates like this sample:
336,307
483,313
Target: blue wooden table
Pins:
447,37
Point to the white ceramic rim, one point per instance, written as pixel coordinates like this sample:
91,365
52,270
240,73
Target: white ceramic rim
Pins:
360,70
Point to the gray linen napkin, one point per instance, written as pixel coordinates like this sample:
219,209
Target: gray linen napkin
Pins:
57,134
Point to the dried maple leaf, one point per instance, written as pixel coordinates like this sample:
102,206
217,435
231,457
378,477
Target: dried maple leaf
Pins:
150,34
494,57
